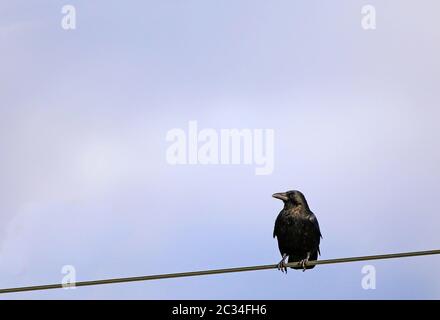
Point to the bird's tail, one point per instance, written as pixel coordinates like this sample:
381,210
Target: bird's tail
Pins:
297,258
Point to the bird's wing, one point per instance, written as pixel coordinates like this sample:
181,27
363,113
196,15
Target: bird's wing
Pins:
314,220
276,228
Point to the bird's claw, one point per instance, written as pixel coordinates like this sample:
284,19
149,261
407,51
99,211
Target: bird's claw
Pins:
282,266
303,264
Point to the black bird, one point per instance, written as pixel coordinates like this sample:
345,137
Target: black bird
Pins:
297,231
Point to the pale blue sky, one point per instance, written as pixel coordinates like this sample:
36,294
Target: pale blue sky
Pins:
84,114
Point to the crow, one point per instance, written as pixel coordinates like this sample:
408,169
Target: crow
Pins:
297,231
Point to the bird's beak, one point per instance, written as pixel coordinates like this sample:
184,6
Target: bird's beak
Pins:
280,195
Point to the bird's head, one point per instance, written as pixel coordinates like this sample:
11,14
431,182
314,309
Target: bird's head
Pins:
293,198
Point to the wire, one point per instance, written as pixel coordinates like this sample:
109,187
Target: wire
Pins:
217,271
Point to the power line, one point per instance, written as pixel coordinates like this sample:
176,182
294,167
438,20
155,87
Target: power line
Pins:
219,271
